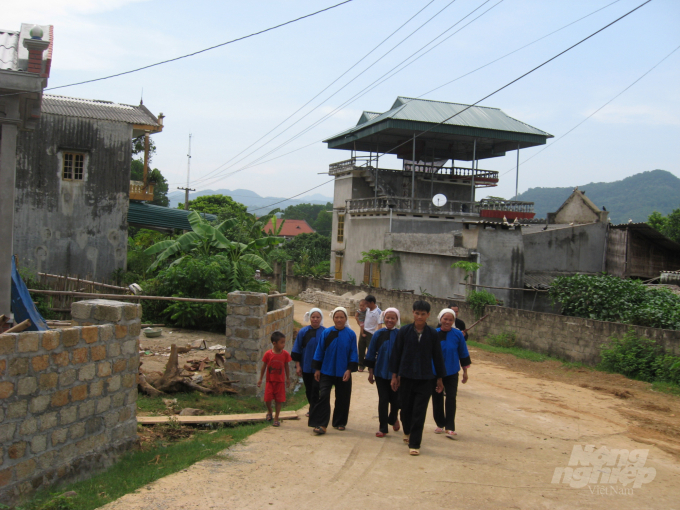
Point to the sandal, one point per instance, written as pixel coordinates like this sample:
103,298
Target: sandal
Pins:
414,451
397,426
340,428
380,434
406,439
451,433
319,431
269,417
439,430
276,423
307,415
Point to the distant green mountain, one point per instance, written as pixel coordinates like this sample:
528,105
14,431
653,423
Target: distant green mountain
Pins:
634,197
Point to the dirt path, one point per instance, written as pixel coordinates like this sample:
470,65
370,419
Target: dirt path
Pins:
515,430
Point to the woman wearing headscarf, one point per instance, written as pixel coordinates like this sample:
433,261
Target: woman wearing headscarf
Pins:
335,358
378,362
456,355
303,354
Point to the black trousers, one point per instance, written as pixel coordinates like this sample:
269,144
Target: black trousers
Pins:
320,415
311,389
445,413
388,403
415,397
364,340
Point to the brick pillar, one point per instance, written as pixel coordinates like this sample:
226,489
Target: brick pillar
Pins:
246,313
35,47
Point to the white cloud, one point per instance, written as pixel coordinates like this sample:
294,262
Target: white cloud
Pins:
637,114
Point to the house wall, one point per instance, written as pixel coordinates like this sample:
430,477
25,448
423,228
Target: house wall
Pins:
571,249
73,227
68,397
502,262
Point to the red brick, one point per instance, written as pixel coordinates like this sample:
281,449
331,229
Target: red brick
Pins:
6,389
121,331
79,392
119,365
80,355
50,340
61,359
90,334
60,398
40,363
98,352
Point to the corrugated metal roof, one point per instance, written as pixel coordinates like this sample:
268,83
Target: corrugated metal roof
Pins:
97,109
429,111
650,233
9,42
155,216
366,116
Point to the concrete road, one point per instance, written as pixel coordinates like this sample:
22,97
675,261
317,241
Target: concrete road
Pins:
514,431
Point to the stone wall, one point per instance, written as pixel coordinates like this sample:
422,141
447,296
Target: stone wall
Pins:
68,397
249,329
569,338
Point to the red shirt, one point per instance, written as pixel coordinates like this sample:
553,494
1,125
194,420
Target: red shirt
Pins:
275,365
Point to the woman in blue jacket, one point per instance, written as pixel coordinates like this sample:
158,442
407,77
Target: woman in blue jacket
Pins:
455,353
303,354
378,362
335,359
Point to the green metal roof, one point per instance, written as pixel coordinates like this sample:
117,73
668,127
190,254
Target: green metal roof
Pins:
155,216
495,131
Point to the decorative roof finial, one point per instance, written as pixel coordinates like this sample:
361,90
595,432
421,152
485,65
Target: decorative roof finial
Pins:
36,32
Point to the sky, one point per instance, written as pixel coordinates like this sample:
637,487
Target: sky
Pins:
230,97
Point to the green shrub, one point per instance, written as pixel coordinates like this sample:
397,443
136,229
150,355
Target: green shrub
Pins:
505,339
41,301
478,299
609,298
639,358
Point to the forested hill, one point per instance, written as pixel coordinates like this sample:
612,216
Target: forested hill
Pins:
634,197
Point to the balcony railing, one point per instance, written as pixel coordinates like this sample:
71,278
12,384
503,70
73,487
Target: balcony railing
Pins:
361,162
140,191
506,205
411,205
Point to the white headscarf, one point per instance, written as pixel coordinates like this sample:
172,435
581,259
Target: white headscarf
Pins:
308,315
445,311
382,316
339,309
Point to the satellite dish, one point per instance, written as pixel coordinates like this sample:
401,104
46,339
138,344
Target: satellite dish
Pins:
439,200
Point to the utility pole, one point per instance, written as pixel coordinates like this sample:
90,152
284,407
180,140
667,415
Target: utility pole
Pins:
187,189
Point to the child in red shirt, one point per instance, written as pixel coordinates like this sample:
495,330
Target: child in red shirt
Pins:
275,361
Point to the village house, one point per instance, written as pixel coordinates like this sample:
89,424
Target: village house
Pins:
381,208
289,229
73,185
25,60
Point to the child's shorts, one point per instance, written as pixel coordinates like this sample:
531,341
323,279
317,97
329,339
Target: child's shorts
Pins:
275,391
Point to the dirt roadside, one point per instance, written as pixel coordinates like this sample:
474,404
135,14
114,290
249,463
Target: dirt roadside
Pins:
518,421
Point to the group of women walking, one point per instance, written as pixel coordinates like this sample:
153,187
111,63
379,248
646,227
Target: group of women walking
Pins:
408,365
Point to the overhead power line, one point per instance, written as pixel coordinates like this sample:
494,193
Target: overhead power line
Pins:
364,90
294,196
507,85
594,112
203,50
356,97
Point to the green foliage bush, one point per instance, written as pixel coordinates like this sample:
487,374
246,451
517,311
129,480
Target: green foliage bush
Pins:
609,298
478,299
506,339
41,301
639,358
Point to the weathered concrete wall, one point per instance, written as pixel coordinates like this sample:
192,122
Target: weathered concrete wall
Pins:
569,338
571,249
502,260
68,397
73,227
249,329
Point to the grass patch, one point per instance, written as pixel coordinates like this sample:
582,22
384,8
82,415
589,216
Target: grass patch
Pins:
216,404
515,351
297,324
139,468
666,387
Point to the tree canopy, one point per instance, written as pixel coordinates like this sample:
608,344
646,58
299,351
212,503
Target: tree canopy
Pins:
667,225
319,217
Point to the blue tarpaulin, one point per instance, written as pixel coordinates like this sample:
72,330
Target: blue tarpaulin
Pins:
22,304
